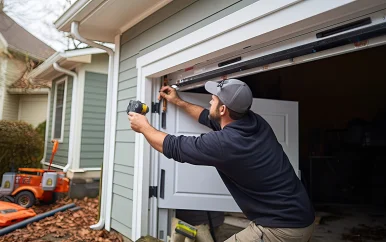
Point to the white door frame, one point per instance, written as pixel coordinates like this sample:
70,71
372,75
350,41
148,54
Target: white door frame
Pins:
260,22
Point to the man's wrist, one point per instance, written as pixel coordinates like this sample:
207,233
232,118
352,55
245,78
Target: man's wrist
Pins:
180,103
146,129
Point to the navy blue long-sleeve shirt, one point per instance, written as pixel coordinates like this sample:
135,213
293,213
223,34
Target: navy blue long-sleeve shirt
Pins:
253,166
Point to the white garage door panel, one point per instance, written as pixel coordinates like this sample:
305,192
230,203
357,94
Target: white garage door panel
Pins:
200,187
283,118
209,182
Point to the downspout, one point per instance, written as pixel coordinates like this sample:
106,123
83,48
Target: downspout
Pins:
73,113
47,125
108,119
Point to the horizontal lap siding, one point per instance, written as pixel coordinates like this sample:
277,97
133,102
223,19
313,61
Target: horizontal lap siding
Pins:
10,106
61,156
173,21
93,124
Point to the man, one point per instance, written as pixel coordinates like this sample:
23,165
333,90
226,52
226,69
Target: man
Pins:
250,160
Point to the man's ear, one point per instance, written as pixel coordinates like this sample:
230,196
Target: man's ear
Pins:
223,110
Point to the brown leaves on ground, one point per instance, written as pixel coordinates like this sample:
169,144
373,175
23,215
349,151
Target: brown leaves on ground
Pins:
66,226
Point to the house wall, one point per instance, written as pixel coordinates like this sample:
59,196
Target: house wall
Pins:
92,84
11,70
3,68
175,20
1,100
93,123
61,155
10,106
33,108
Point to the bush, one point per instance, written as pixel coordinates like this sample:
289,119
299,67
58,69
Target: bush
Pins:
41,129
20,146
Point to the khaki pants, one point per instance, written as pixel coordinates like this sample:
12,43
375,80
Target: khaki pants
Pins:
265,234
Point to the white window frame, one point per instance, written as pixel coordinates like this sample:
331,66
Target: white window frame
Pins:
65,79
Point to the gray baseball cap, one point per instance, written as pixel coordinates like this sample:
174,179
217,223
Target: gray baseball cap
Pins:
234,93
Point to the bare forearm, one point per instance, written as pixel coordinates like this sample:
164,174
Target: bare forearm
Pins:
154,137
192,109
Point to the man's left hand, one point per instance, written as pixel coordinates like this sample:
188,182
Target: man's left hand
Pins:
138,122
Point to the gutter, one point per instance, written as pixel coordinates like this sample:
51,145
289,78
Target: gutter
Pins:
74,108
109,121
44,66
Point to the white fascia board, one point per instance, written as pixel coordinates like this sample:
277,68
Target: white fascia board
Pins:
257,19
86,51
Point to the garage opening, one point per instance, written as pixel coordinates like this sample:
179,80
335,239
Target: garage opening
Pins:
342,137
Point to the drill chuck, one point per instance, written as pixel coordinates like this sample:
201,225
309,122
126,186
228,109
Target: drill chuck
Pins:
137,107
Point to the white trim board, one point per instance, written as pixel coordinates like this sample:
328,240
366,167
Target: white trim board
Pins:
65,80
79,118
257,24
213,40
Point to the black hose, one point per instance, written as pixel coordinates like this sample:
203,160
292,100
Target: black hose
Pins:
38,217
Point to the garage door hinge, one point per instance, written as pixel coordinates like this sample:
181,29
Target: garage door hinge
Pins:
155,107
153,191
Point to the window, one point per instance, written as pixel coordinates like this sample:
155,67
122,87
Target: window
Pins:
59,109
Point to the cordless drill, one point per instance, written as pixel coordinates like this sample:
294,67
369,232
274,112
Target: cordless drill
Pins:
137,107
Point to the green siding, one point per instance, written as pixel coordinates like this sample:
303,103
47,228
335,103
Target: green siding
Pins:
93,123
173,21
61,156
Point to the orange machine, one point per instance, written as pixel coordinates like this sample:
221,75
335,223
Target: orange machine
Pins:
11,213
30,184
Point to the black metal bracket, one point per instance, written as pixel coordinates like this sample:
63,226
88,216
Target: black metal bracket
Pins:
155,107
153,191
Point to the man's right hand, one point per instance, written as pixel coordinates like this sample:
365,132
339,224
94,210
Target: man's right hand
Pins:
170,94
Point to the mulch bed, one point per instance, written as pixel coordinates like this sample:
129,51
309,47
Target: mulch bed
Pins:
67,226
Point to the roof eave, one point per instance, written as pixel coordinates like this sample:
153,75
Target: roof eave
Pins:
76,12
23,52
60,57
45,65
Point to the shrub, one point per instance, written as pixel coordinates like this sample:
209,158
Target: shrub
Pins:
41,129
20,146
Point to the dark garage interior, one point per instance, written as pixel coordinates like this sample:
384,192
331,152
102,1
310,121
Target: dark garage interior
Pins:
342,123
342,139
